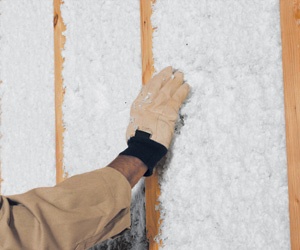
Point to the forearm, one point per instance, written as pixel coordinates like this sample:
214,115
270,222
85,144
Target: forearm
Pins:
131,167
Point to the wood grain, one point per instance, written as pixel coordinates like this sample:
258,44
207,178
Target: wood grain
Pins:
152,189
59,41
290,34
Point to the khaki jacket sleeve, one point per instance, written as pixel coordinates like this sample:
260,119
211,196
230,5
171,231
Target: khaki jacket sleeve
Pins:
75,214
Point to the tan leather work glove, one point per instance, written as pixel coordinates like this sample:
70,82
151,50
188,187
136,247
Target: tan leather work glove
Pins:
155,110
152,117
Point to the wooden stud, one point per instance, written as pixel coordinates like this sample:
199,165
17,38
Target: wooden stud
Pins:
0,179
0,147
290,32
153,220
151,183
59,41
146,40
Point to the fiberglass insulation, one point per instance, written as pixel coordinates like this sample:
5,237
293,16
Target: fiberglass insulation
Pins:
225,186
27,145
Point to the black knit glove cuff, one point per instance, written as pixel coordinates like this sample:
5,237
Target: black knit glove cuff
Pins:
148,151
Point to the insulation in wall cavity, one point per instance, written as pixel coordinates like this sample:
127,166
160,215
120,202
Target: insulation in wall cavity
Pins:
27,151
225,184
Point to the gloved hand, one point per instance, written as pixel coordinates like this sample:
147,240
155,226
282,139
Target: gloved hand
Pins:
153,115
155,110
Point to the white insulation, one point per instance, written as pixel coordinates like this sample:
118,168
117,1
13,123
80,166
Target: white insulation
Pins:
225,186
27,144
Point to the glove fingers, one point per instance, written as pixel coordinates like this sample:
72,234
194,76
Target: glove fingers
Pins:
181,94
173,84
158,81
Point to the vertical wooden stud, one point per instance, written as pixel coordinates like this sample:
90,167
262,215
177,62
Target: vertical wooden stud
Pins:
151,183
290,33
146,40
0,147
59,41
